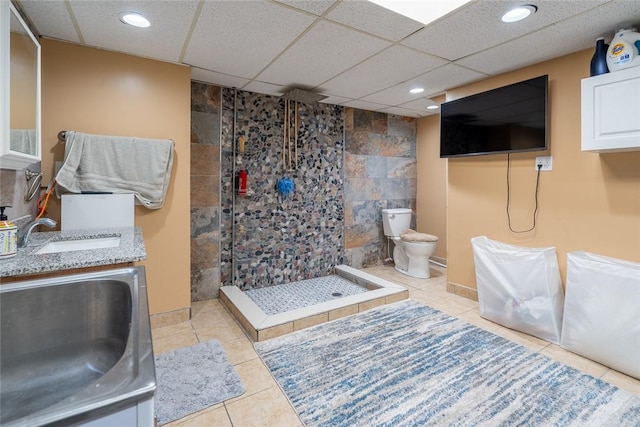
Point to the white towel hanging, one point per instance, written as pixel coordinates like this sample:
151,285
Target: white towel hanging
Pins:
117,164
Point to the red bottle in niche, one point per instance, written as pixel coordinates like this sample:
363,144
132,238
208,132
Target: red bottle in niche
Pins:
242,183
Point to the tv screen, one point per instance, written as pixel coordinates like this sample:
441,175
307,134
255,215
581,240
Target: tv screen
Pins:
508,119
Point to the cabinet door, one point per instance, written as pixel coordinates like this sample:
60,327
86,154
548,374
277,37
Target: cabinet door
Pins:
19,91
611,111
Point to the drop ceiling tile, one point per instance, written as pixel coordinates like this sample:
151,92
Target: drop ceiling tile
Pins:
435,81
217,79
373,19
51,19
420,105
388,68
235,39
337,100
265,88
100,24
573,35
363,105
399,111
326,50
478,26
317,7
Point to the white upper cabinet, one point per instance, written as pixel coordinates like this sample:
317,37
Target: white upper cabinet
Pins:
19,91
611,111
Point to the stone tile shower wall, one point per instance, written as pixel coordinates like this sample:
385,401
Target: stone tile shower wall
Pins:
205,191
380,172
266,239
334,215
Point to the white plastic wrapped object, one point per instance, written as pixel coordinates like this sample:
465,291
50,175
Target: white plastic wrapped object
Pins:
602,311
519,287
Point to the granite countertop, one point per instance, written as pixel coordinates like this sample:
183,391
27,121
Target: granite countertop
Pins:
27,262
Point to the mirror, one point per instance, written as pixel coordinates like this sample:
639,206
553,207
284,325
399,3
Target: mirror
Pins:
22,132
23,89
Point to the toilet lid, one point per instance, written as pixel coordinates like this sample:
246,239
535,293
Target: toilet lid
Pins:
397,211
413,236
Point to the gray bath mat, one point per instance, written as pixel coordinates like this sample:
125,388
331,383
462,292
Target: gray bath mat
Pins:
193,378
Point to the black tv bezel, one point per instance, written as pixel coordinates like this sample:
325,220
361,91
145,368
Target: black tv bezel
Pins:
488,93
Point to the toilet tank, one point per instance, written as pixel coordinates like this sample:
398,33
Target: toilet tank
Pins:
394,221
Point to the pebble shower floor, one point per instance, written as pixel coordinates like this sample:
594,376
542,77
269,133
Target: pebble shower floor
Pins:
303,293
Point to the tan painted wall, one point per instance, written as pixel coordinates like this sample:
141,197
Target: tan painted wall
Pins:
588,202
101,92
431,200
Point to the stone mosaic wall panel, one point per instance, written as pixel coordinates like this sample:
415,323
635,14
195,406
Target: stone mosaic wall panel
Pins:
351,164
380,172
265,239
205,191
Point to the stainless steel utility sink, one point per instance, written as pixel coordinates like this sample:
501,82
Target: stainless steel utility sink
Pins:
74,347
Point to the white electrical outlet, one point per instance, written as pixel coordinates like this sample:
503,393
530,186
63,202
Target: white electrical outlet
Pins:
545,161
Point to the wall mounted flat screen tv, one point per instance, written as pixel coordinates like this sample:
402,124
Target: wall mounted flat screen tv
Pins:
508,119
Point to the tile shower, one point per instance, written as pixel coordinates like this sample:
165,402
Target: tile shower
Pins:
351,163
268,239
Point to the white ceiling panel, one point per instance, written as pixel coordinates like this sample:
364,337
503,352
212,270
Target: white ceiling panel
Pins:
373,19
573,35
478,26
241,37
436,81
332,99
360,54
388,68
364,105
421,104
326,50
50,18
317,7
224,80
266,88
100,25
399,111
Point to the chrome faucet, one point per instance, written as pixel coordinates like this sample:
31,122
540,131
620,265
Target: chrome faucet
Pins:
23,237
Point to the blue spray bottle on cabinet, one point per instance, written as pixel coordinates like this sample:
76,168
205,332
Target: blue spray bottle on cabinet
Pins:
599,59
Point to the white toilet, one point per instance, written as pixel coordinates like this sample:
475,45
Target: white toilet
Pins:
412,249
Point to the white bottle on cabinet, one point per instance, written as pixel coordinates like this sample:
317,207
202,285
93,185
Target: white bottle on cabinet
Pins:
611,111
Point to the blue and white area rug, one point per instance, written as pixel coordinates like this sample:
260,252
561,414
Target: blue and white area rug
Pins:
406,364
193,378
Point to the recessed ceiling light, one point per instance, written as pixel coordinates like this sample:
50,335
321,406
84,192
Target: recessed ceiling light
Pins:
432,107
135,19
519,13
417,90
422,11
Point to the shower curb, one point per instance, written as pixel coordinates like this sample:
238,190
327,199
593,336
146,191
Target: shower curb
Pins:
260,326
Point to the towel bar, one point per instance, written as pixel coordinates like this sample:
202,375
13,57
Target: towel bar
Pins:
62,135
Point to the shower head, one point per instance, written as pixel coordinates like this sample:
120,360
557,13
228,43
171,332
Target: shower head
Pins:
304,96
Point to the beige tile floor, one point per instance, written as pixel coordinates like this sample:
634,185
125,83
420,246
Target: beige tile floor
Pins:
264,404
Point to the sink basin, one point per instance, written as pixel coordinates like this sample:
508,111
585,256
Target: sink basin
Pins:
79,244
74,347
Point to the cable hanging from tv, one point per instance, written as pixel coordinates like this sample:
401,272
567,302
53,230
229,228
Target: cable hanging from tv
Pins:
535,211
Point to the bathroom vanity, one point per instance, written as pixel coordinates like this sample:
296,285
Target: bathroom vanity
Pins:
35,261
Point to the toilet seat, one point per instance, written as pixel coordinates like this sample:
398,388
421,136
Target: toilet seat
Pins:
412,236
